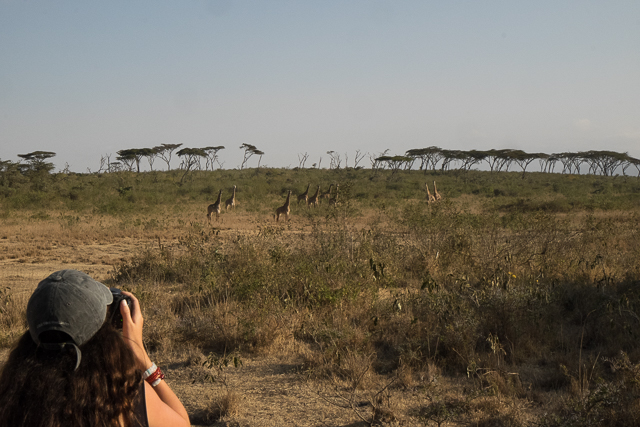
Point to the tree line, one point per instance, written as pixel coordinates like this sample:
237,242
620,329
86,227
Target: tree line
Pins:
596,162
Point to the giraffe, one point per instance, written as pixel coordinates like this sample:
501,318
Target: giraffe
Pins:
284,209
333,201
430,198
435,192
314,200
327,195
214,207
304,196
231,202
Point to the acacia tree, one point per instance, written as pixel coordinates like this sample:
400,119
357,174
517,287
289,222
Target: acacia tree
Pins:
190,159
36,161
150,154
131,156
499,159
395,163
635,162
570,161
449,156
604,161
375,163
250,150
212,156
429,157
37,169
629,161
471,158
544,160
523,159
164,151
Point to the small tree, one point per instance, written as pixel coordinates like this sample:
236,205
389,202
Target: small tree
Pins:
470,158
449,156
37,168
545,161
635,162
630,161
131,156
604,161
37,161
497,159
375,163
250,150
395,163
358,159
10,174
523,159
429,157
164,151
150,154
335,160
190,159
302,159
212,155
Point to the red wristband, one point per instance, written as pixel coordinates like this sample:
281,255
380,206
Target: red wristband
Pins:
155,378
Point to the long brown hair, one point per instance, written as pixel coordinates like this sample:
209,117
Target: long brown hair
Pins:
40,388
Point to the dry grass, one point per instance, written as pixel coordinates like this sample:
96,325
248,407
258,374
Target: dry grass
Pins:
462,312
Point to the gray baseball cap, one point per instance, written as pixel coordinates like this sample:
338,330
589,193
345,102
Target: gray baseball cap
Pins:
68,301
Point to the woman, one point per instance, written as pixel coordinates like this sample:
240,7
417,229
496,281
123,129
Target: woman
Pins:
74,368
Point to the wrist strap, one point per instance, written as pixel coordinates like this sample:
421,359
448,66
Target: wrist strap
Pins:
146,374
155,378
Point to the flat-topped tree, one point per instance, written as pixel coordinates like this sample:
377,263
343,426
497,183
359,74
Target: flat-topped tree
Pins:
450,156
497,159
133,155
429,157
523,159
632,161
150,154
471,158
395,163
164,151
604,161
570,161
250,150
212,155
190,159
37,160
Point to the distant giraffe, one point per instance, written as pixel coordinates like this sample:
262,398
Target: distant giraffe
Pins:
284,209
214,207
334,200
435,192
304,196
314,200
430,198
231,202
327,195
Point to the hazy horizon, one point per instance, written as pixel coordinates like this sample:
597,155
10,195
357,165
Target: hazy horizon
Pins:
86,79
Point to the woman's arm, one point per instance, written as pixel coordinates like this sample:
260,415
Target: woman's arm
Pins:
163,406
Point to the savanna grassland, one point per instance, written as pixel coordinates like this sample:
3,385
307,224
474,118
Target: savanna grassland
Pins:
513,301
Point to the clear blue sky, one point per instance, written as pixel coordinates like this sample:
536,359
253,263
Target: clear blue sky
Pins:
89,78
